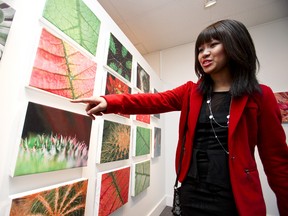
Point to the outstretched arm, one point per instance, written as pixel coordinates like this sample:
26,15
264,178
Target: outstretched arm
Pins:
143,103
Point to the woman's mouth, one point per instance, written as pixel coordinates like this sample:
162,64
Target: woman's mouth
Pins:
206,63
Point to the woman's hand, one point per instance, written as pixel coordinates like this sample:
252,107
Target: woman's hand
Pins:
95,105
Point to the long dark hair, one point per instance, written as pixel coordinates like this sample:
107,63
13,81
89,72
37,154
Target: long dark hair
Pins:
239,47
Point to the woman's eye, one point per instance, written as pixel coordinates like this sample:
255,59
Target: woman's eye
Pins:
200,50
214,44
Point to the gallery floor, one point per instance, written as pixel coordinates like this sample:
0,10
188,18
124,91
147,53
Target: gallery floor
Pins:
166,211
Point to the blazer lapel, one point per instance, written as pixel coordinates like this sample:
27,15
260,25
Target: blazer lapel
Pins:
237,108
195,106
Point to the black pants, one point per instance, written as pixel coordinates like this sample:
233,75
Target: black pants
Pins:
202,199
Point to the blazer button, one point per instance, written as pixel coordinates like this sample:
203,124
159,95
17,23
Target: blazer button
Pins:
232,157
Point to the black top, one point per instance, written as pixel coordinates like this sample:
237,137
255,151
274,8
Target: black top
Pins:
209,162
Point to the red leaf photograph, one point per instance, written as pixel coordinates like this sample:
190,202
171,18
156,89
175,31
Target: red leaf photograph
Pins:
116,86
114,190
143,118
61,69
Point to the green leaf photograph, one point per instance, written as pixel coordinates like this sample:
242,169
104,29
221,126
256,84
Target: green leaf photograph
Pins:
143,141
119,59
75,19
140,177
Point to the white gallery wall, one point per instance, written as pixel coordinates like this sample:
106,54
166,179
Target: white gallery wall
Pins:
176,66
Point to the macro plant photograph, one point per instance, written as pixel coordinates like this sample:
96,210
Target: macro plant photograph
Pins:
157,115
66,200
143,118
114,191
157,142
115,142
282,100
76,20
140,177
6,18
61,69
52,139
116,86
143,141
143,80
119,58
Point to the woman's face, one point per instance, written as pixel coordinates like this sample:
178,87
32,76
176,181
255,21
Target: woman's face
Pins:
212,57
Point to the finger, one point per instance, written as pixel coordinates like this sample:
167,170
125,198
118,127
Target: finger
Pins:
96,110
92,116
90,106
82,100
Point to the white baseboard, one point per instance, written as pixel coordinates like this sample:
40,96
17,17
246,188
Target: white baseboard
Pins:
169,200
156,211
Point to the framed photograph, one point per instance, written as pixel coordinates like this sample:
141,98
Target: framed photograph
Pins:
112,190
143,79
61,69
156,115
63,199
6,18
282,100
116,86
156,150
119,58
52,139
76,20
142,141
140,177
143,118
115,142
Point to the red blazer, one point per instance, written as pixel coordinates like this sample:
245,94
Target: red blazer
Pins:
254,121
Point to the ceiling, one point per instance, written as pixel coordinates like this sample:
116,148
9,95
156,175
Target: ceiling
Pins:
153,25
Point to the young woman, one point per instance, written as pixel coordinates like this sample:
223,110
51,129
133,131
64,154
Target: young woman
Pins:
227,114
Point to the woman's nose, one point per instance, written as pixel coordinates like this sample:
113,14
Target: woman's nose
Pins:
206,51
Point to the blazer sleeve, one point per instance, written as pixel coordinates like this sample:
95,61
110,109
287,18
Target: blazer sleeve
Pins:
147,103
273,148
